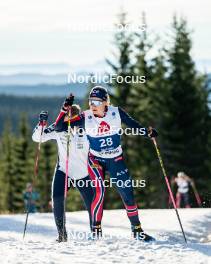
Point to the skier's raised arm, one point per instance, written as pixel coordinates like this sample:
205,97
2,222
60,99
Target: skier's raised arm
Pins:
61,121
48,133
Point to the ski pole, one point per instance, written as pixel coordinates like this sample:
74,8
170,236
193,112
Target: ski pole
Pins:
168,185
198,199
67,166
34,178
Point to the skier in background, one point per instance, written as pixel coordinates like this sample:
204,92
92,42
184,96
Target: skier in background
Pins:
183,183
102,123
30,198
78,172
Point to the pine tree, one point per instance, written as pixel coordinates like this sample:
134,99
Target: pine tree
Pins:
122,65
7,168
186,127
159,88
20,161
146,99
47,163
3,185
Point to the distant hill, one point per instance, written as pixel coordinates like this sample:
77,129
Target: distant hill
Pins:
12,107
33,79
39,78
46,90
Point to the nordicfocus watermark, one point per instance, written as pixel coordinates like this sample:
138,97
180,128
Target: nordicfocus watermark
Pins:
108,183
105,78
118,27
109,131
79,235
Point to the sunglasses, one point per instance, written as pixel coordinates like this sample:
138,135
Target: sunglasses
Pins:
95,102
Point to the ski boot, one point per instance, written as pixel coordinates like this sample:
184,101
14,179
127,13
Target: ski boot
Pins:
62,237
139,234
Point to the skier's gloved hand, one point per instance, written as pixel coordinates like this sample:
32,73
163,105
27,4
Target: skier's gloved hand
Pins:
68,102
43,117
152,133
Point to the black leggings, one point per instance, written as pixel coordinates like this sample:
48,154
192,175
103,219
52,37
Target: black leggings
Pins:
85,189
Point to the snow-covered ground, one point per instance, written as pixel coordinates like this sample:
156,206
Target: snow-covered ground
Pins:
39,246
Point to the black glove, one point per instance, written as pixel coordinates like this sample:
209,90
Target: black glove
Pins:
43,117
152,133
68,102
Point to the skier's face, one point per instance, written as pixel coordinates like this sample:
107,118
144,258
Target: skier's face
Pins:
97,106
29,188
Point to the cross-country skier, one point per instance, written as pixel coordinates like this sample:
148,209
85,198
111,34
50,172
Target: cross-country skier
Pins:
183,182
78,172
102,123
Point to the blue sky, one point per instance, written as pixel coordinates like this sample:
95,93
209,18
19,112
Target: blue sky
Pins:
40,31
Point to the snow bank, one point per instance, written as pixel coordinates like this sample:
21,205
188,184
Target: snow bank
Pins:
117,246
